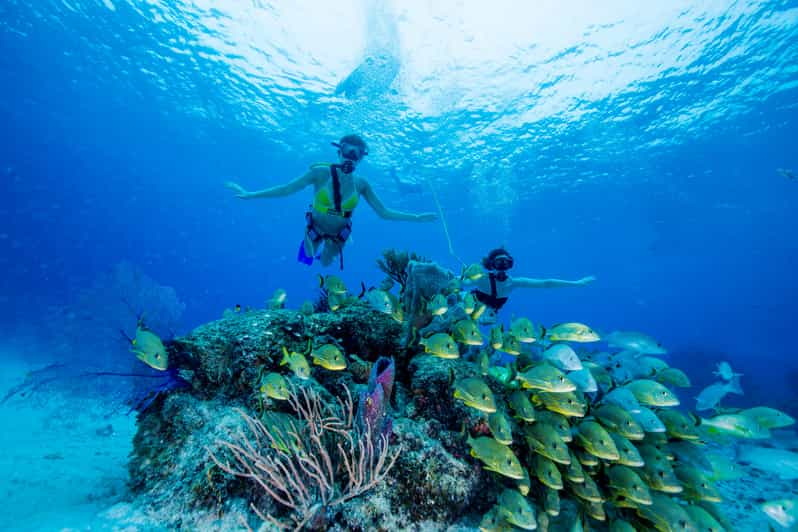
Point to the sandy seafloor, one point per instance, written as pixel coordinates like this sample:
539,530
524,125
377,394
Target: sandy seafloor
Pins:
63,467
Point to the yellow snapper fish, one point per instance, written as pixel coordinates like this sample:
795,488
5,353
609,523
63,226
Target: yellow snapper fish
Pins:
275,386
510,344
329,357
594,439
545,377
652,393
703,519
475,393
658,472
148,347
628,454
473,272
500,428
278,299
546,472
440,345
438,305
544,440
297,363
571,404
677,425
616,418
469,303
496,457
595,510
558,422
467,332
572,332
625,482
516,510
524,330
496,336
519,402
332,284
666,514
673,377
697,487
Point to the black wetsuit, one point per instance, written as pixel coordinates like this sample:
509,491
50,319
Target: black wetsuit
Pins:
490,300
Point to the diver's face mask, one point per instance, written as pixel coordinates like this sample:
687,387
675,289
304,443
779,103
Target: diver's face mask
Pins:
501,264
350,156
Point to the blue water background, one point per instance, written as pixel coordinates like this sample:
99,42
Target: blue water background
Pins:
659,176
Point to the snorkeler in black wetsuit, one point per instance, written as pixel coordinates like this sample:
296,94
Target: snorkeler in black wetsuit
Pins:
494,289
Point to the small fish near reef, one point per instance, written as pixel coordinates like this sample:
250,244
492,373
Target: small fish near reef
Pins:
572,332
473,272
273,386
440,345
297,363
148,347
467,332
438,306
329,357
332,284
473,392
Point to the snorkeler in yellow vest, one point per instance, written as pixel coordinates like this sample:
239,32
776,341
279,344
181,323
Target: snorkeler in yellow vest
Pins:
337,191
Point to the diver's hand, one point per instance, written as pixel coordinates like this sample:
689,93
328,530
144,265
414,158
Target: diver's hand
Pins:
426,217
240,191
586,280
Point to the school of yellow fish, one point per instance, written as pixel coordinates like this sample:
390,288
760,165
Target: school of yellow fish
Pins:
593,432
589,437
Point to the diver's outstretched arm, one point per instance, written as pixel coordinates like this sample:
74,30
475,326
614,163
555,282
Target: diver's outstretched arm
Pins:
389,214
274,192
528,282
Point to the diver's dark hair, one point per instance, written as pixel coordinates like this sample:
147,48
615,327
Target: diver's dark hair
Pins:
487,262
355,140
